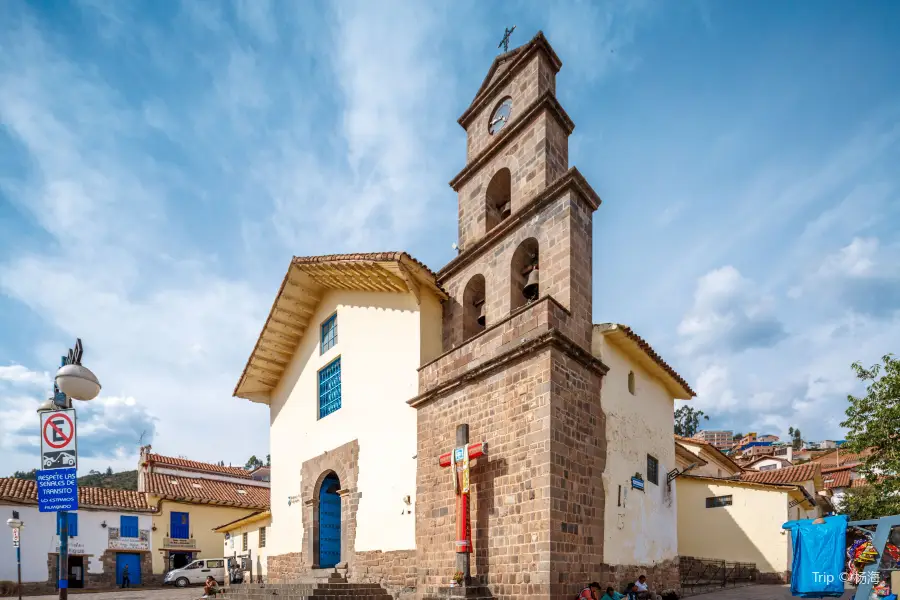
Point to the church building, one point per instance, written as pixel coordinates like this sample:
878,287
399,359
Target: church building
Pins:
428,425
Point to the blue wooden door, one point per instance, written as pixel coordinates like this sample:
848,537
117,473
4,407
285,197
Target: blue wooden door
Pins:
329,523
134,567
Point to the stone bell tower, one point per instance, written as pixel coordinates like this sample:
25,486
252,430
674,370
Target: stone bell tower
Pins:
517,364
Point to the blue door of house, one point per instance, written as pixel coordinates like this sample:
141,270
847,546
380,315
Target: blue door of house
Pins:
134,567
329,523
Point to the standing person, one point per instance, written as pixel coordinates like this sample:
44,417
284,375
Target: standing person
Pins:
126,580
591,592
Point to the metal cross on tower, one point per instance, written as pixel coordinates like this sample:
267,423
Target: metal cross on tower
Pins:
504,43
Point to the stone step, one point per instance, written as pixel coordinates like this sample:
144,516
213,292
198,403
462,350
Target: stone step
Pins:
335,589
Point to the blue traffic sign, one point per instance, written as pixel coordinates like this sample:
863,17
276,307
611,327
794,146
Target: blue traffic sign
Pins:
57,490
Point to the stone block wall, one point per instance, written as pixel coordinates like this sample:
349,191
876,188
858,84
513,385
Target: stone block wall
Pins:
577,461
561,225
536,156
537,499
536,77
660,577
510,499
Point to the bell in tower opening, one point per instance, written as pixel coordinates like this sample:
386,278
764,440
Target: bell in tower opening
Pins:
524,280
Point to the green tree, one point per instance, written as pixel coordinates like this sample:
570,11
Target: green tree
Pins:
687,421
30,475
109,471
268,460
873,423
797,442
253,463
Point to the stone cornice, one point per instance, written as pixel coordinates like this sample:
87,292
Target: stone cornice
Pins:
553,338
570,180
547,101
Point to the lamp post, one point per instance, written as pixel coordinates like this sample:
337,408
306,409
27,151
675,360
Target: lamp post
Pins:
73,382
16,525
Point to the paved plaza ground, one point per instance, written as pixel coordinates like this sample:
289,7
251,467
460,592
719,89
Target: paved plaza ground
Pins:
754,592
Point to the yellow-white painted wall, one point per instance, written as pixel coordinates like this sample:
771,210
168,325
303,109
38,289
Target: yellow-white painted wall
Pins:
234,545
382,340
747,531
640,526
203,519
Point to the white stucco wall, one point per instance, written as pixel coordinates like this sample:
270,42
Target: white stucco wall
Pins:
382,340
641,527
716,465
768,462
38,539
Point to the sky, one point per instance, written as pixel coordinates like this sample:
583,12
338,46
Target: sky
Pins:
160,163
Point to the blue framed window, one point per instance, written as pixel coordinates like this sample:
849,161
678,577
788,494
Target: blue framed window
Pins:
180,525
72,520
330,388
329,333
128,527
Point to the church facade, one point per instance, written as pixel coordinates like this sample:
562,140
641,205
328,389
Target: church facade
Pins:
500,340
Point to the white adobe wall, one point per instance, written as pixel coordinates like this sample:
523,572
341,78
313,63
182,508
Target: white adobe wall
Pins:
641,527
382,340
38,538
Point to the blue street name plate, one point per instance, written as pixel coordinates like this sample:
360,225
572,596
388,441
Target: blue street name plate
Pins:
637,484
57,490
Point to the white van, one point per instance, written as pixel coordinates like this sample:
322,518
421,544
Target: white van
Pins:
197,572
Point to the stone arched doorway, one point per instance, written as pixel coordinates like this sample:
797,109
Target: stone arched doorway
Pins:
328,551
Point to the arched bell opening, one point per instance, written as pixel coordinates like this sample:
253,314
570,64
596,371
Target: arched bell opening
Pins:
474,318
499,198
524,275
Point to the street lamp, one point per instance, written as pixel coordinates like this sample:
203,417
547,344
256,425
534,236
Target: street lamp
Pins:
73,381
16,524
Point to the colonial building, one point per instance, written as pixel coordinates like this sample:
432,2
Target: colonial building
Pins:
246,543
376,370
737,517
767,463
335,362
639,394
111,529
189,500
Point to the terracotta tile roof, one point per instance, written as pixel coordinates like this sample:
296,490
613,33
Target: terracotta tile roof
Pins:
795,474
860,482
193,465
21,490
729,481
833,478
722,456
372,256
207,491
831,458
649,351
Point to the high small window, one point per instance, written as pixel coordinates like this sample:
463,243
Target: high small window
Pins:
180,525
330,388
244,541
71,519
718,501
768,468
652,470
329,333
631,382
262,537
128,527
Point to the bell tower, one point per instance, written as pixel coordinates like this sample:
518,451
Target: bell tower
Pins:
517,364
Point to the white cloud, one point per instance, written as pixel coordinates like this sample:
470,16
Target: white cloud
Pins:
729,314
17,374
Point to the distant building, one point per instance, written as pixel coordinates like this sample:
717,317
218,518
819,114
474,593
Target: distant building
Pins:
784,452
111,529
767,463
720,438
768,438
750,437
191,499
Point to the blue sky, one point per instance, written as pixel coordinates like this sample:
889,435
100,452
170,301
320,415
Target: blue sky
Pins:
161,162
